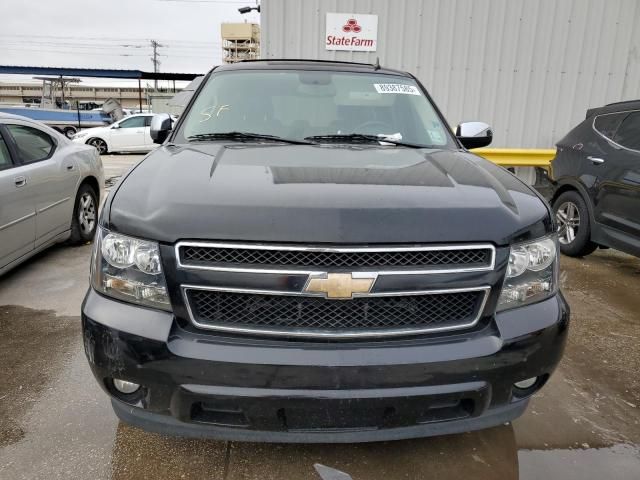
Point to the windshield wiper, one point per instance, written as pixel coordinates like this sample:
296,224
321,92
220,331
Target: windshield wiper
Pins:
245,136
363,138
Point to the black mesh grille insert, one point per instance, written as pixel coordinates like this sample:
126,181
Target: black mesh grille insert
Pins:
211,256
284,313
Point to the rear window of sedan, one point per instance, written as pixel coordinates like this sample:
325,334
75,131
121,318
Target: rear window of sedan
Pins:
33,145
5,158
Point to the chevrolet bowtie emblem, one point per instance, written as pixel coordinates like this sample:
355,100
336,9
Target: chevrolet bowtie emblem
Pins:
340,285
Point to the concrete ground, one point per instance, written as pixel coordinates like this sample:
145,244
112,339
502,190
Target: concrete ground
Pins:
55,422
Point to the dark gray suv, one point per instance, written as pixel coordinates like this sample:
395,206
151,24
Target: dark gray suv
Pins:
597,174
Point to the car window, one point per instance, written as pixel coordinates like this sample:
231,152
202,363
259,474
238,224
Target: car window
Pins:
134,122
147,121
33,145
5,158
628,134
299,104
608,124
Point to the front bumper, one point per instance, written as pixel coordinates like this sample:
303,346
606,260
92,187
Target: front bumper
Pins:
203,385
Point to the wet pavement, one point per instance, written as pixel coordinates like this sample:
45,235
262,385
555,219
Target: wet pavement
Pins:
116,164
55,422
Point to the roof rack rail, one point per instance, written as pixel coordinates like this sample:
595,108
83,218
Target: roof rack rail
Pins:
614,107
624,102
257,60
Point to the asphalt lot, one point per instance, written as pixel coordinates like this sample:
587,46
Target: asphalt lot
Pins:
55,422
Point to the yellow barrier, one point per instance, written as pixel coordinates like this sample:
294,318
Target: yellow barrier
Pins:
518,157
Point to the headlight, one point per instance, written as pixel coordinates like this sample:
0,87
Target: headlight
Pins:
532,273
129,269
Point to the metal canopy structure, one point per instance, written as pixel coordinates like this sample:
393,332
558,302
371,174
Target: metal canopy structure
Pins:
99,73
96,73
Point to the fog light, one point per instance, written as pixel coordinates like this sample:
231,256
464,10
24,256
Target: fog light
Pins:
524,384
125,387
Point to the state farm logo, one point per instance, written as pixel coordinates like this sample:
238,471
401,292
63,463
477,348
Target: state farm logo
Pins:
351,31
352,26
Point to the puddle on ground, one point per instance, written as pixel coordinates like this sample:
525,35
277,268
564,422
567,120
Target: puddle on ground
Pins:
489,454
34,345
483,455
620,462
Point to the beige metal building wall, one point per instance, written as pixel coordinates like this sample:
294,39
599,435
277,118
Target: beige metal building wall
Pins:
530,68
16,93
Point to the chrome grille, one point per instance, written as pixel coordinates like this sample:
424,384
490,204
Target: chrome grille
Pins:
414,258
298,315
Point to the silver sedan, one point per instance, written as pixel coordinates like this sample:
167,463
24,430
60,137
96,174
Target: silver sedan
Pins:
50,189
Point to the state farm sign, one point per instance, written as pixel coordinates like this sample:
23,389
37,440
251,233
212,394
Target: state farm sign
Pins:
352,31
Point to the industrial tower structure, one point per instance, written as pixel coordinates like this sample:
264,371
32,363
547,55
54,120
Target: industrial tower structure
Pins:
240,41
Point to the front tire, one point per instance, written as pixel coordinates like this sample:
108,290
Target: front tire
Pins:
99,145
69,132
574,225
85,216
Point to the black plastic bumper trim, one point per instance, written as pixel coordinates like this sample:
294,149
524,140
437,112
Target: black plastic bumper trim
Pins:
168,425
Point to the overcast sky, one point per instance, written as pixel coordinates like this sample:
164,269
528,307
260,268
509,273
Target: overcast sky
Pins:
115,33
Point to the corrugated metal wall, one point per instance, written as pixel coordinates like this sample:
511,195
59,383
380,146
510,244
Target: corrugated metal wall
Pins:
530,68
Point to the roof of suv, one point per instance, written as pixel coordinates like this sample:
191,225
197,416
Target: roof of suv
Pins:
291,64
614,107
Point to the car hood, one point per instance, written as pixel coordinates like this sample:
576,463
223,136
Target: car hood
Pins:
323,194
93,131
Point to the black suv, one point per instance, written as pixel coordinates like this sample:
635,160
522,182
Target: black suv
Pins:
313,256
597,170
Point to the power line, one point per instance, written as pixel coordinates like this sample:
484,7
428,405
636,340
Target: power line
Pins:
83,48
71,45
26,49
174,48
230,2
175,53
53,38
64,46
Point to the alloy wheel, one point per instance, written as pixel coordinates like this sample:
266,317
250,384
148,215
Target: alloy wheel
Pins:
86,213
100,145
568,218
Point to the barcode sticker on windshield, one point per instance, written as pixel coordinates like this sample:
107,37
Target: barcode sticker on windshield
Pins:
396,88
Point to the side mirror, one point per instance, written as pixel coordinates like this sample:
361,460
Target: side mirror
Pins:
160,127
115,126
474,134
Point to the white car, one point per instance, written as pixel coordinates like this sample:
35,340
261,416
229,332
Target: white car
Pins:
131,134
50,189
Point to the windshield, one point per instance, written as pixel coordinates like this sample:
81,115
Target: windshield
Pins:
301,104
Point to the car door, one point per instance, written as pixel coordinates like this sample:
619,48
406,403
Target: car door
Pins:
17,206
52,174
599,160
620,204
148,141
129,136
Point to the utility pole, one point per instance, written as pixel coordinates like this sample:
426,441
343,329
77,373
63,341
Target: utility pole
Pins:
156,63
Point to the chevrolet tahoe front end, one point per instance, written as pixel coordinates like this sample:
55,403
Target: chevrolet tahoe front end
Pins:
306,288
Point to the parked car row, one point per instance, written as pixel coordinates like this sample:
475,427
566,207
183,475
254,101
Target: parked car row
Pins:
596,173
